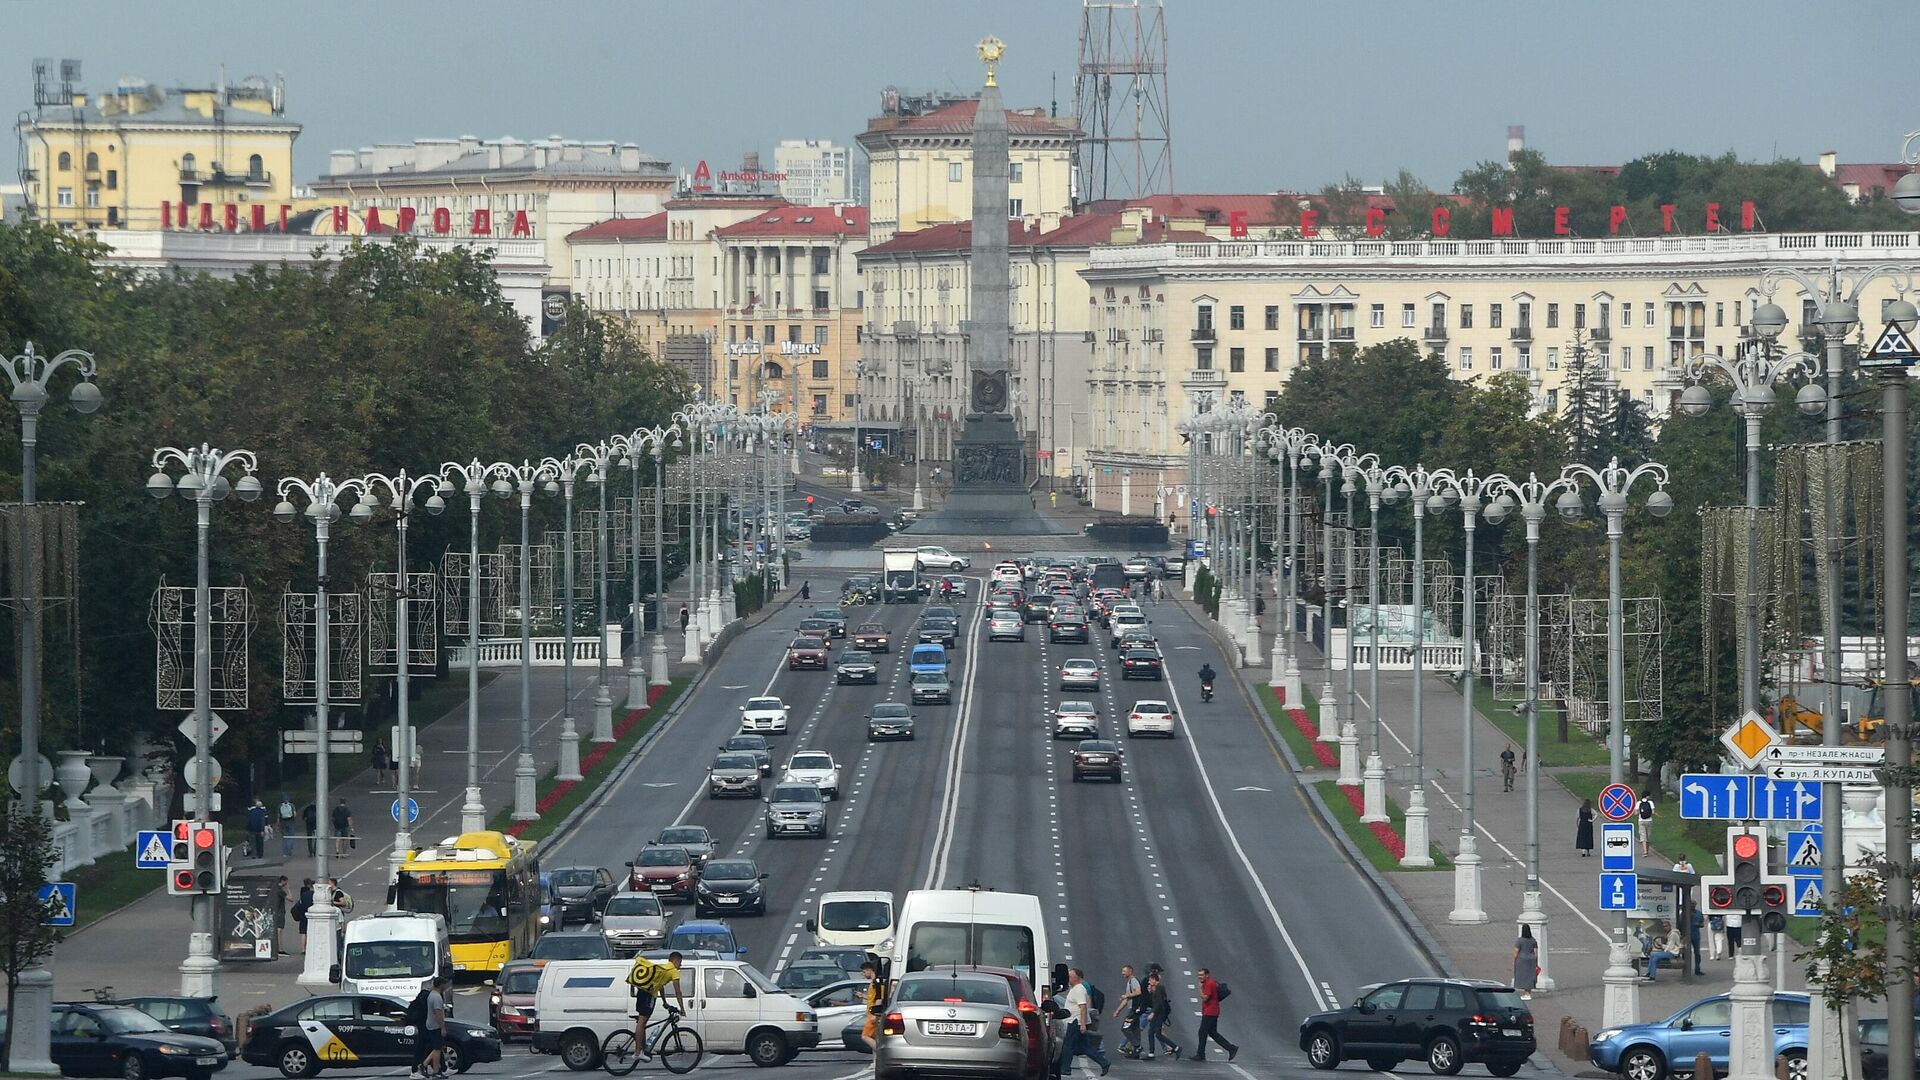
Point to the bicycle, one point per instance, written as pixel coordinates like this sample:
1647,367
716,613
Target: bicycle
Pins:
676,1045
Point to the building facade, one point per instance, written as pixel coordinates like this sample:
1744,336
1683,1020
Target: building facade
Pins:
920,164
791,289
560,185
113,159
814,172
1235,319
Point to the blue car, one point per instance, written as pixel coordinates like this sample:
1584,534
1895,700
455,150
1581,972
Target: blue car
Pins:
704,936
1651,1051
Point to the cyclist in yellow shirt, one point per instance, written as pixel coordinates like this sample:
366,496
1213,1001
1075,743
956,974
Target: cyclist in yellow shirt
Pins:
648,978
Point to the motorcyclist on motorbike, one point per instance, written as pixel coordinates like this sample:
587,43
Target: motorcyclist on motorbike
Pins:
1206,682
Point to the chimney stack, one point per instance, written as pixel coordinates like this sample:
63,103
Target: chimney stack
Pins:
1829,163
1516,141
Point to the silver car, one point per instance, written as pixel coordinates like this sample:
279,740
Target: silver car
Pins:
736,774
634,921
954,1021
796,807
1006,625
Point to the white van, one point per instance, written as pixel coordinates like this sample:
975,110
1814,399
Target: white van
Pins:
975,925
860,919
393,953
735,1009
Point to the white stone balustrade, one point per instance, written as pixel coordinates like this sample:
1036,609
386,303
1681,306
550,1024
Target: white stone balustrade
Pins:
547,652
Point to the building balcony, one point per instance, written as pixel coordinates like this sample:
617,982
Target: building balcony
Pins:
1118,336
1523,332
1434,333
1153,335
1341,333
1311,333
1203,334
1089,337
192,176
1603,332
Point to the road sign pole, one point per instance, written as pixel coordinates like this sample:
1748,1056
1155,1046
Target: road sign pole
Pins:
1899,800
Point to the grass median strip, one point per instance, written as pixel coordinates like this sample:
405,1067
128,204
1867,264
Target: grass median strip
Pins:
1383,843
557,798
1296,727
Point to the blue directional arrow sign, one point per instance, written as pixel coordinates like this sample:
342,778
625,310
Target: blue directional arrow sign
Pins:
1716,796
150,850
66,897
413,810
1807,897
1786,800
1616,845
1619,892
1803,852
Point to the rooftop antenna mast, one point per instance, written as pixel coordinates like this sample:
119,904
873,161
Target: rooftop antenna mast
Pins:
1120,98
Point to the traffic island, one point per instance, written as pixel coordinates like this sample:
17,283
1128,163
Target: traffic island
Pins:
557,799
1299,728
1383,843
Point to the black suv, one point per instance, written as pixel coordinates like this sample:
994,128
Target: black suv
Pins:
1067,628
1448,1022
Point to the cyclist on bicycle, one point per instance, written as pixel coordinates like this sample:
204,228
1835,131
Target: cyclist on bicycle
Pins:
648,978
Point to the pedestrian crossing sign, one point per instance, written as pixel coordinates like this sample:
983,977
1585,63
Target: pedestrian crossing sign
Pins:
150,850
1807,897
1803,852
62,900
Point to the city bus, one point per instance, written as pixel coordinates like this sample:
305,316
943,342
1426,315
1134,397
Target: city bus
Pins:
486,885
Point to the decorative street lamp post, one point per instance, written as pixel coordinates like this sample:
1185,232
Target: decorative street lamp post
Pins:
1417,485
1621,1004
523,479
400,490
649,442
568,470
204,480
1373,775
473,478
601,456
1356,465
322,494
1330,459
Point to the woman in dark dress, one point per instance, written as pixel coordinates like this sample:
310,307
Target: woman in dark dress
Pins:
1583,836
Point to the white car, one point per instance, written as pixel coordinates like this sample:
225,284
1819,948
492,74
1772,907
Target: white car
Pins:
1007,574
1122,622
1076,720
815,767
1080,674
766,715
938,558
1150,717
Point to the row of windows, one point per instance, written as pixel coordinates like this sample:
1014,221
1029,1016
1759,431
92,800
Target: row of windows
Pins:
1016,172
767,334
1683,318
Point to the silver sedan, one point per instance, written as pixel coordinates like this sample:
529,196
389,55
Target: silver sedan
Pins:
954,1022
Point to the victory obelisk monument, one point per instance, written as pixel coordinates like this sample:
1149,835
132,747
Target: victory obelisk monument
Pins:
989,496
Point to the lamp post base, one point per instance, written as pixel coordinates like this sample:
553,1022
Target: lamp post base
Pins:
1534,917
200,971
637,677
1750,1055
1329,712
1349,755
1620,1001
32,1051
853,483
1252,638
1373,791
1419,852
321,922
1468,909
1278,677
919,503
658,677
1828,1049
569,751
524,792
402,845
473,812
691,655
603,715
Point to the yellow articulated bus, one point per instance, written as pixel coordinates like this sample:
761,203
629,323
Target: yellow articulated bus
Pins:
487,887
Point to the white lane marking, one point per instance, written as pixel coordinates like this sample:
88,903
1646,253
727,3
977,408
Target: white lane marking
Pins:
942,852
1240,852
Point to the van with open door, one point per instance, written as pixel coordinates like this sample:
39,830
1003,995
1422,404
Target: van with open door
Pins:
859,919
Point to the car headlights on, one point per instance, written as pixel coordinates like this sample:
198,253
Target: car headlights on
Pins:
165,1049
1609,1033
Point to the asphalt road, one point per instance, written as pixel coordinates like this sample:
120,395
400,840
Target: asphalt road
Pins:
1207,854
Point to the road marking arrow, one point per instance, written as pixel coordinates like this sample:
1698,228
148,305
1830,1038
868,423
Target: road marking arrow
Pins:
1250,787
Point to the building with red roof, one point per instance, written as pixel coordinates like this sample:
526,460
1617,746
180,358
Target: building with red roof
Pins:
920,162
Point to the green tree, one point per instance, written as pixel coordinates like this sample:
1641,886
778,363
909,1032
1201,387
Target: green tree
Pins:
26,939
1587,405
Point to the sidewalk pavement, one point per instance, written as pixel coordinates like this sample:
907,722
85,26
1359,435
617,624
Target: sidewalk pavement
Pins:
138,949
1577,935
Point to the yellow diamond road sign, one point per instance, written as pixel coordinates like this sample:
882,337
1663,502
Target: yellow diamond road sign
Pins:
1749,737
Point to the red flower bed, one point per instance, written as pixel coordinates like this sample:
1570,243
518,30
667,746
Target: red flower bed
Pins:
1382,831
1321,751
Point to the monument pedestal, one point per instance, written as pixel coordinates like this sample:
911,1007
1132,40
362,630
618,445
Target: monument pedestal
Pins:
989,496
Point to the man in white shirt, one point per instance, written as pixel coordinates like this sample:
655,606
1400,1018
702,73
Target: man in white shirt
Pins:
1080,1024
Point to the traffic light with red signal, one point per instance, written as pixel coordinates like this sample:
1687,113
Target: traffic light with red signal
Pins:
196,859
1746,886
809,502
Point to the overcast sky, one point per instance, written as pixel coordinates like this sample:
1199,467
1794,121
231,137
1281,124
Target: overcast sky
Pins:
1265,94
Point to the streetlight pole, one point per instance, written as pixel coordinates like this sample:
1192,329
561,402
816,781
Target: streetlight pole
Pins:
1247,455
322,494
568,469
1468,490
1355,465
1753,375
1621,1004
1532,498
473,478
29,373
1838,302
1331,458
1417,485
523,479
601,456
203,478
400,490
860,372
1297,443
1373,775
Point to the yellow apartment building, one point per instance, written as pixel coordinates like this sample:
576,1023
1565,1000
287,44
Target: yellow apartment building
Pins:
920,163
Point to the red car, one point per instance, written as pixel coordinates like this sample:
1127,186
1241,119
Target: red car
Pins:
510,1006
807,652
667,872
872,637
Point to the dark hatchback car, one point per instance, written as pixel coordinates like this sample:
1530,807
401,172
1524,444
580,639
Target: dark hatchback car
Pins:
733,885
510,1006
580,892
1140,664
1448,1023
301,1038
1097,759
856,666
1068,628
190,1016
939,630
112,1039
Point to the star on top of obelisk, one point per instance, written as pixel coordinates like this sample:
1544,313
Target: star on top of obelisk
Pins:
991,50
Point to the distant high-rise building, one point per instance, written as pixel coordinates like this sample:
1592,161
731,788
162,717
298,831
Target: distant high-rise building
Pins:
814,172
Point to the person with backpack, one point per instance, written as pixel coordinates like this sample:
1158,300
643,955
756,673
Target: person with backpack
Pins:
648,979
417,1020
1157,1011
1084,1003
1128,1012
1212,993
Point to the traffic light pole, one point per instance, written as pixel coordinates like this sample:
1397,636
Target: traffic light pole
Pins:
1750,1057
